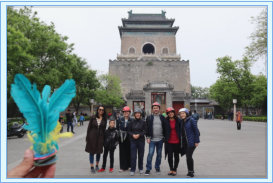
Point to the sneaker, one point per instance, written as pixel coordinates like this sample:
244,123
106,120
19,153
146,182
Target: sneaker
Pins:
190,174
111,170
121,170
101,170
132,173
147,172
97,168
93,170
157,171
141,171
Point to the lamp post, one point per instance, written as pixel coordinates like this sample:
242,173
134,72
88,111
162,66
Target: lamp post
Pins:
91,102
234,109
195,104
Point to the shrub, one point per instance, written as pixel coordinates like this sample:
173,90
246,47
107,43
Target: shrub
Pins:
255,118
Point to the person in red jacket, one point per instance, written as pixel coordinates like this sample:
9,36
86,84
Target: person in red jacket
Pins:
239,119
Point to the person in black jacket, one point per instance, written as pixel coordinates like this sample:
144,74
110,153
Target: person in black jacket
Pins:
69,119
124,139
155,137
110,144
137,130
190,138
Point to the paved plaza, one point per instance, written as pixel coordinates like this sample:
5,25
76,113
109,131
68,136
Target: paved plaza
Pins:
224,152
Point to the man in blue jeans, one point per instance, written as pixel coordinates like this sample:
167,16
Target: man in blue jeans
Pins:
69,119
155,136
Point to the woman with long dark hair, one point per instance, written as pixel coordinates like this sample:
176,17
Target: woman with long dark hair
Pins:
190,138
172,140
95,137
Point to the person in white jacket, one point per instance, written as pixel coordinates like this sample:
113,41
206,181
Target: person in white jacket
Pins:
75,120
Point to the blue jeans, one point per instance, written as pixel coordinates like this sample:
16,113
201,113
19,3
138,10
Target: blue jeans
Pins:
158,145
91,158
68,125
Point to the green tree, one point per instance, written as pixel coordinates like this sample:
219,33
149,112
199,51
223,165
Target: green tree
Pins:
109,94
223,92
236,81
36,50
258,45
259,94
86,80
199,92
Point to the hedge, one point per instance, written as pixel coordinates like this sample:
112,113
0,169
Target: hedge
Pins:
247,118
255,118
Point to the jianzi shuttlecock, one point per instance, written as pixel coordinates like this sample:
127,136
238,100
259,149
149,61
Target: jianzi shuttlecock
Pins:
42,114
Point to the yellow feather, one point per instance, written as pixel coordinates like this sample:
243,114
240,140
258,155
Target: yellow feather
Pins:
54,135
66,135
30,137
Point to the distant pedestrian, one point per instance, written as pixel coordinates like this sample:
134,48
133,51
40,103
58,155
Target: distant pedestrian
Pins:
95,137
81,119
109,115
110,144
195,115
61,121
172,140
69,119
239,119
124,139
137,130
206,115
229,115
75,120
190,138
223,116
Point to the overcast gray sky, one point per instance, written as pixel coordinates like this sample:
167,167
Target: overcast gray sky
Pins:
205,33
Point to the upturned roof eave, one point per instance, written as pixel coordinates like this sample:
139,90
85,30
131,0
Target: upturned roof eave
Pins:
135,29
171,21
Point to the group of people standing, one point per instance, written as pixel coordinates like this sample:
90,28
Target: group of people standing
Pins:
179,135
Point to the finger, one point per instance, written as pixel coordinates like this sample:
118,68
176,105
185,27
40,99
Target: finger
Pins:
34,173
24,167
49,171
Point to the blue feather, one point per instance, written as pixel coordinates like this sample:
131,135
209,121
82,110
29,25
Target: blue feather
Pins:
41,113
28,100
63,96
46,93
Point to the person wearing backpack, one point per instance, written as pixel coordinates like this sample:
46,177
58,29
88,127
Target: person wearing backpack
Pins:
190,138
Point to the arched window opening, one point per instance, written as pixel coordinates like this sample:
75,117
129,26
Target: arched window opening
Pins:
165,51
132,51
148,49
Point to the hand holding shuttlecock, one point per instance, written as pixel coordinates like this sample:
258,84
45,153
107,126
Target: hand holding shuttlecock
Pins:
42,114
